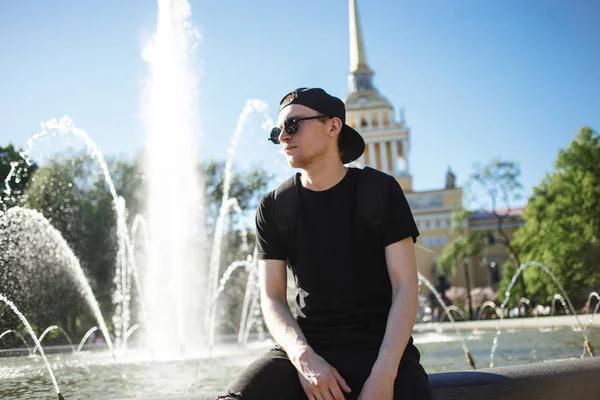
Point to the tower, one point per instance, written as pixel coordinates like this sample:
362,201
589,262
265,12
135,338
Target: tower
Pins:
387,139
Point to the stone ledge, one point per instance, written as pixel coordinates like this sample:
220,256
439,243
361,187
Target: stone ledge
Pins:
555,380
558,321
564,379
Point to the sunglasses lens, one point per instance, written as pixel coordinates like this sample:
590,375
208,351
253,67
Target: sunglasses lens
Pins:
274,136
291,125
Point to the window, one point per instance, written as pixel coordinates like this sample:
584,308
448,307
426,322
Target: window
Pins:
374,120
435,241
350,121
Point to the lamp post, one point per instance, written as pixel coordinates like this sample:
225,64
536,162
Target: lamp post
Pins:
468,284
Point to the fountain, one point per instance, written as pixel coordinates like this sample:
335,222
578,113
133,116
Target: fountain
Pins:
252,105
66,126
558,297
86,337
131,331
174,274
48,330
586,344
165,298
26,228
592,295
179,288
17,334
139,223
251,307
458,310
37,343
489,304
525,301
430,286
250,296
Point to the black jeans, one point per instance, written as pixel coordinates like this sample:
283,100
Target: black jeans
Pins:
273,377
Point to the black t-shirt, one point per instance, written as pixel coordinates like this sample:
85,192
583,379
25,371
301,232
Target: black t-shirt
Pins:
344,289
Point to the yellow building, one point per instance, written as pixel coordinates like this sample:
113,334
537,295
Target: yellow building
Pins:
387,139
486,269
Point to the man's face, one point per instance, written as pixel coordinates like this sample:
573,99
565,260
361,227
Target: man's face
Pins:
309,143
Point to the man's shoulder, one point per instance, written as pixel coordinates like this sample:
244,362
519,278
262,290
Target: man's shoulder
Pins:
287,189
372,182
372,172
267,199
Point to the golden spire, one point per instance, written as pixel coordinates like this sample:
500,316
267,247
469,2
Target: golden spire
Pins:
358,59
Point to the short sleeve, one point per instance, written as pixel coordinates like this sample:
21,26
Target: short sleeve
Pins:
401,223
268,245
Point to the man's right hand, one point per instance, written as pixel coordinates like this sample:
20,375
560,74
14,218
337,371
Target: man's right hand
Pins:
318,378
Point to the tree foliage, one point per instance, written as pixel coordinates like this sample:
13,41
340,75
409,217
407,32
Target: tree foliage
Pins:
74,198
496,185
244,187
9,156
239,239
498,188
72,194
562,229
509,270
494,188
469,243
466,245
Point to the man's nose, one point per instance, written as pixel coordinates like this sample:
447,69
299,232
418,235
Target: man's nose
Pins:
284,136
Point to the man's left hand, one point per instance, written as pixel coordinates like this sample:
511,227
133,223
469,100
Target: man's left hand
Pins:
379,386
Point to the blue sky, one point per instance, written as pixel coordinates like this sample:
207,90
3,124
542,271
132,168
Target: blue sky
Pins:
478,79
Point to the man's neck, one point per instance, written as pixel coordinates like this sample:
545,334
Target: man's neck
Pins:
324,176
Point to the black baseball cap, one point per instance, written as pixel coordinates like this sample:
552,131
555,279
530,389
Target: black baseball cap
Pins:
352,144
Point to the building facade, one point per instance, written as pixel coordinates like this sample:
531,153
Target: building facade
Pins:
387,139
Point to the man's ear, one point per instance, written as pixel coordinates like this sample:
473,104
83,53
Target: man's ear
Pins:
336,127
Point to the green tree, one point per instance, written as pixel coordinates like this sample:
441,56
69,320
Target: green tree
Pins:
509,270
238,240
66,196
18,182
73,197
245,187
460,251
562,229
130,183
33,274
496,188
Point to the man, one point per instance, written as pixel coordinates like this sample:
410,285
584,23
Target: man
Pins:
357,290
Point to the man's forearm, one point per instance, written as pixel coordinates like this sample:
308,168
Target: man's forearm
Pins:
284,327
399,327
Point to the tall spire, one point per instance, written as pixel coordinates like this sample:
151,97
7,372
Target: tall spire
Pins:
358,59
360,77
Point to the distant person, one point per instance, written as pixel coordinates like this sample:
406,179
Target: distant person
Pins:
441,287
357,286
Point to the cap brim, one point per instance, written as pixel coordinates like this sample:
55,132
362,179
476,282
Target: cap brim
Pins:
354,145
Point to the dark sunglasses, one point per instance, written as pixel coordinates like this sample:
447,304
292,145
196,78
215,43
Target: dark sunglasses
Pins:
291,126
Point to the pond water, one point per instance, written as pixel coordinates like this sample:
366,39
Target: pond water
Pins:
96,375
